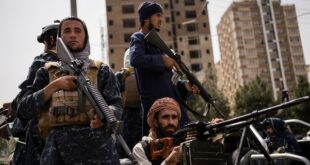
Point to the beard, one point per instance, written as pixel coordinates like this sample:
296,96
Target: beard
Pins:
166,131
150,27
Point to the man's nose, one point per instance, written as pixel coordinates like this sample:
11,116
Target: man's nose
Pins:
72,35
171,120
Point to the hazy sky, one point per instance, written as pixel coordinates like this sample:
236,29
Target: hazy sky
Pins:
22,20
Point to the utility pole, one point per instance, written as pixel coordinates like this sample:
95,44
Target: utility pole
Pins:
73,8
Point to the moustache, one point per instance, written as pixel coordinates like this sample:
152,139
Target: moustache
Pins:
170,126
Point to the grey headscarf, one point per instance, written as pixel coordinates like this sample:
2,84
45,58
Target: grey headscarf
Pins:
83,56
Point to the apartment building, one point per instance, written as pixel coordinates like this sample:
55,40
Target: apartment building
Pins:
185,29
260,37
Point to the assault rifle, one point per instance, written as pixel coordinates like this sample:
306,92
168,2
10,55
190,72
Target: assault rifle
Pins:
97,101
205,131
153,38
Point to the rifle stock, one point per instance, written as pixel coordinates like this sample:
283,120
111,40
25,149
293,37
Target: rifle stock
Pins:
97,101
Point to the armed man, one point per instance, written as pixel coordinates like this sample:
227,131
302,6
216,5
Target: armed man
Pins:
65,114
154,69
163,119
131,117
26,129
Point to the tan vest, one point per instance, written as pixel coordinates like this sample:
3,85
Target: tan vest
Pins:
130,95
67,107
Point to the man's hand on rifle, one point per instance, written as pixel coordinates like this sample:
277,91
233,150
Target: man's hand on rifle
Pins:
191,88
174,156
96,122
216,120
67,83
169,63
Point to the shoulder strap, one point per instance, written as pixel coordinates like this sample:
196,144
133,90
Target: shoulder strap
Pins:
146,148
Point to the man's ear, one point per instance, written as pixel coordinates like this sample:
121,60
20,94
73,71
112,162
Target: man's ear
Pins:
155,123
147,21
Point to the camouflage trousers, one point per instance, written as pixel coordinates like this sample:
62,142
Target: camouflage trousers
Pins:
19,154
79,145
34,144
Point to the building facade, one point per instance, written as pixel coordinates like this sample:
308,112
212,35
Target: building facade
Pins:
185,28
260,38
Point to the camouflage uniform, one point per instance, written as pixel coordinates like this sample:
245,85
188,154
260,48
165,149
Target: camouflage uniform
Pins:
76,144
31,152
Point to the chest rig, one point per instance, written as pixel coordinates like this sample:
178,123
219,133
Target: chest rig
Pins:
68,107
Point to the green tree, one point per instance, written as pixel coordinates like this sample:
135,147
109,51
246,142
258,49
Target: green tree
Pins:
302,111
221,104
254,95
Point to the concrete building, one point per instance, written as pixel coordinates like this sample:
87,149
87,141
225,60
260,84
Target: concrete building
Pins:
185,28
260,37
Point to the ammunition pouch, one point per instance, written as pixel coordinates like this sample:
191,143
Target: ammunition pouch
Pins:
67,107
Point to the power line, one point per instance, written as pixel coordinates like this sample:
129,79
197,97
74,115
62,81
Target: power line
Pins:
303,14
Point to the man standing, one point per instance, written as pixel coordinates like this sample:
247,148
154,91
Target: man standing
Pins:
153,68
163,119
26,129
71,140
132,121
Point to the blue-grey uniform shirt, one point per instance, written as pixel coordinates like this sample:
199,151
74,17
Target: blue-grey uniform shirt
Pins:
75,143
29,153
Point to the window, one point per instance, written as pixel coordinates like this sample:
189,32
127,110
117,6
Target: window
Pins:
129,23
109,8
192,27
166,5
110,36
126,9
204,25
111,22
194,54
294,39
190,14
203,12
189,2
111,51
112,65
196,67
167,19
127,37
193,41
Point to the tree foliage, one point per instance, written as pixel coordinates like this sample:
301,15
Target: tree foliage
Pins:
221,104
254,95
301,111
